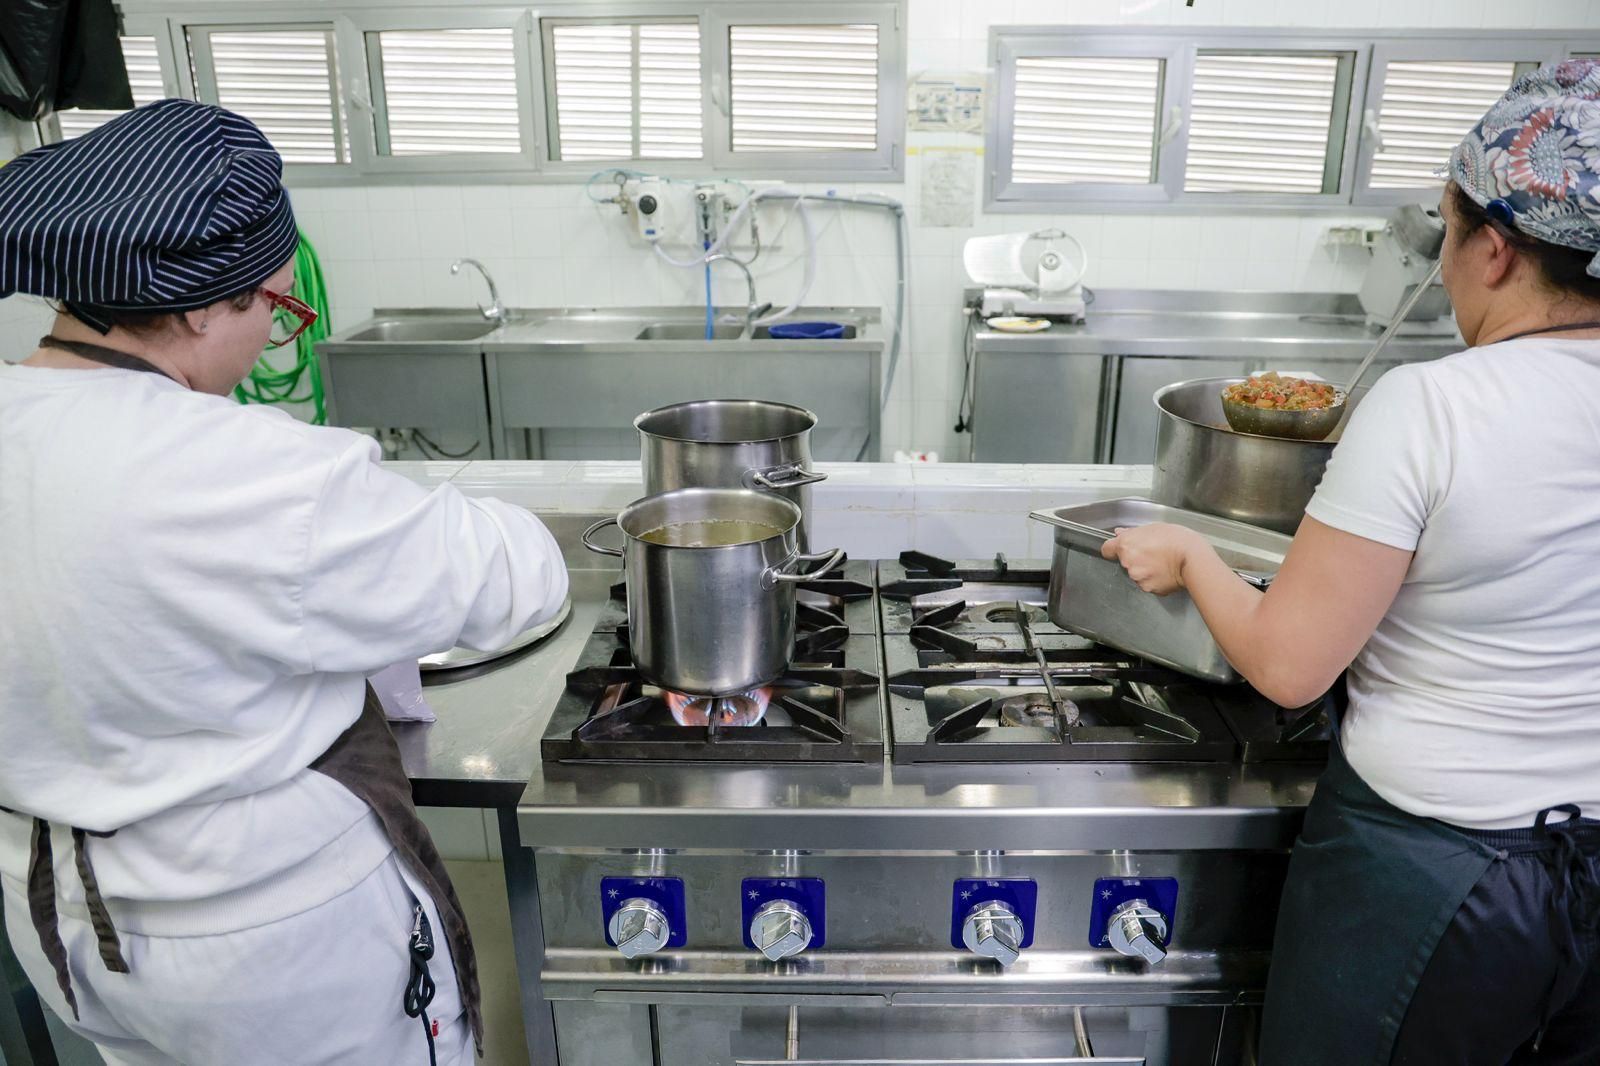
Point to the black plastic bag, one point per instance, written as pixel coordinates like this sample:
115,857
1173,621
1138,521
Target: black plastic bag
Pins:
59,54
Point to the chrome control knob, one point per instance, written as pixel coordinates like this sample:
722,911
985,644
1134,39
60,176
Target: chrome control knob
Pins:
994,931
639,927
1137,929
780,929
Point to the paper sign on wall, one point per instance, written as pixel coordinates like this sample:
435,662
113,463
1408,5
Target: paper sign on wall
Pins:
949,186
947,102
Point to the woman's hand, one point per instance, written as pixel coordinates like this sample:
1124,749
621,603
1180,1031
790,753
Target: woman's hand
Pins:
1154,555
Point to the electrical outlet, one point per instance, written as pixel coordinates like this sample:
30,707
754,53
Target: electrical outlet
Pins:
1349,236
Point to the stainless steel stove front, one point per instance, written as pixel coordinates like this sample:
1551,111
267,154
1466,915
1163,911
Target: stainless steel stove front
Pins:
893,981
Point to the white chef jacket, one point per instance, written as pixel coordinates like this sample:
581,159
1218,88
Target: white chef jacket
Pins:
193,594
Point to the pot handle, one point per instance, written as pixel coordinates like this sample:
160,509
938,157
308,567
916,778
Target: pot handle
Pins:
778,478
600,549
783,572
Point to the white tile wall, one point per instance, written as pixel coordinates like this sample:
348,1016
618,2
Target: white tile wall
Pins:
550,245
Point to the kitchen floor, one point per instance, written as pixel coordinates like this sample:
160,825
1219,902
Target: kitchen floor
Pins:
482,888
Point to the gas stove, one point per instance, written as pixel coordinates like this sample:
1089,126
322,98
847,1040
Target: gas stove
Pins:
826,707
1062,845
973,671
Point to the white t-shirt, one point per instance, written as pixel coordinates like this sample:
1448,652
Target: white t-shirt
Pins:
1477,700
193,594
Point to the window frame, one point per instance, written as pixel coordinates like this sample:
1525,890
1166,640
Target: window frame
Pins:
1182,47
614,15
1352,57
884,162
1373,50
197,77
365,94
1003,192
1426,49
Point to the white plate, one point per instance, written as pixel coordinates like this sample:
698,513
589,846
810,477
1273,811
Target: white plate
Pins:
457,658
1013,324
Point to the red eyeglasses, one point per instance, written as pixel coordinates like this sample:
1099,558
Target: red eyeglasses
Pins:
293,311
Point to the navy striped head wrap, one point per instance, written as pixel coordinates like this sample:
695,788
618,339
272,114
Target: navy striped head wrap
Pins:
170,207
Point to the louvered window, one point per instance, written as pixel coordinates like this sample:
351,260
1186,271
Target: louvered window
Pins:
1427,107
1083,119
144,78
445,91
285,81
1264,123
803,88
624,90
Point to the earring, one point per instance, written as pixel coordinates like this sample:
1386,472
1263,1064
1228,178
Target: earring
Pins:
204,326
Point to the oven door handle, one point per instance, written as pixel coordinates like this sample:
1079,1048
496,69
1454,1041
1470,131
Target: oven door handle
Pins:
737,999
1097,1060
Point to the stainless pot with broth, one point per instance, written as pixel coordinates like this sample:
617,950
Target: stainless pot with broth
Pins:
711,577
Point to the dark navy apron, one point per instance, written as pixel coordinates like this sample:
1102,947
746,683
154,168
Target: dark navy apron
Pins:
1370,892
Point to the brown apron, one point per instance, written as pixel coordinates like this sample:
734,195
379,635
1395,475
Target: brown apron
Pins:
365,760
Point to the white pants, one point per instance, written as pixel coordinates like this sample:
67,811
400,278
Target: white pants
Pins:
320,988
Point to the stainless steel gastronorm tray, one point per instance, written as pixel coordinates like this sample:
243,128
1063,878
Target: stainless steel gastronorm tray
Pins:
1094,597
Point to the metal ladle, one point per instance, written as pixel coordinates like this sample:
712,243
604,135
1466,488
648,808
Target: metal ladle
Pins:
1317,423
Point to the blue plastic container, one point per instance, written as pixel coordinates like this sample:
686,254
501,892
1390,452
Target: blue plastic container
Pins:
807,331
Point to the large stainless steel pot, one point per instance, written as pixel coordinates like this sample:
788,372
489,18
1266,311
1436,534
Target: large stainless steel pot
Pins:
1202,465
711,620
730,444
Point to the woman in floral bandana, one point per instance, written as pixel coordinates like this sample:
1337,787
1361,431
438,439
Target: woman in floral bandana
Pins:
1443,901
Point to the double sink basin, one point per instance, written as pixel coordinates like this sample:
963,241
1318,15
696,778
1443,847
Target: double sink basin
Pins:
440,326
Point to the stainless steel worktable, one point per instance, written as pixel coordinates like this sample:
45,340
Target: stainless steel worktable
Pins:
1082,393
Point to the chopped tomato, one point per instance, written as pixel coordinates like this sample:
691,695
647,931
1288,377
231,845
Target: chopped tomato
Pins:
1274,392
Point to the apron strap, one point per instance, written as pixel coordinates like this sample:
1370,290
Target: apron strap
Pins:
1575,893
46,918
99,353
42,910
104,932
366,761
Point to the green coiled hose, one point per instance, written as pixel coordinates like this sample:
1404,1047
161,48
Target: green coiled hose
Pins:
301,382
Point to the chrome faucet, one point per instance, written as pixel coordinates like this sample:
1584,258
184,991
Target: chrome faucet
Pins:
496,312
751,308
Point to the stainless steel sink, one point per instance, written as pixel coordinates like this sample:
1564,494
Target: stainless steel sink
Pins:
411,330
689,331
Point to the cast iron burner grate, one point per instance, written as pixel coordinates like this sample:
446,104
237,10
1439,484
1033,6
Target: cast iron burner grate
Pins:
967,598
827,706
1269,733
1024,696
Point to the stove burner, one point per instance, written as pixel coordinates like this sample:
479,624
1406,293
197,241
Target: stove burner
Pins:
744,709
1013,613
1034,709
825,707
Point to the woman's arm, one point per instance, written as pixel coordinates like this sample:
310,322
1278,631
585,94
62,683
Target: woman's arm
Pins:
1293,641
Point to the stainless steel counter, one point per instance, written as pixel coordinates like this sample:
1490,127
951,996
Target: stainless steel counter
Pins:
566,383
1082,394
1318,327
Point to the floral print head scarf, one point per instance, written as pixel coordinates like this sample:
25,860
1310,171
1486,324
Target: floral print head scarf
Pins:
1533,162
